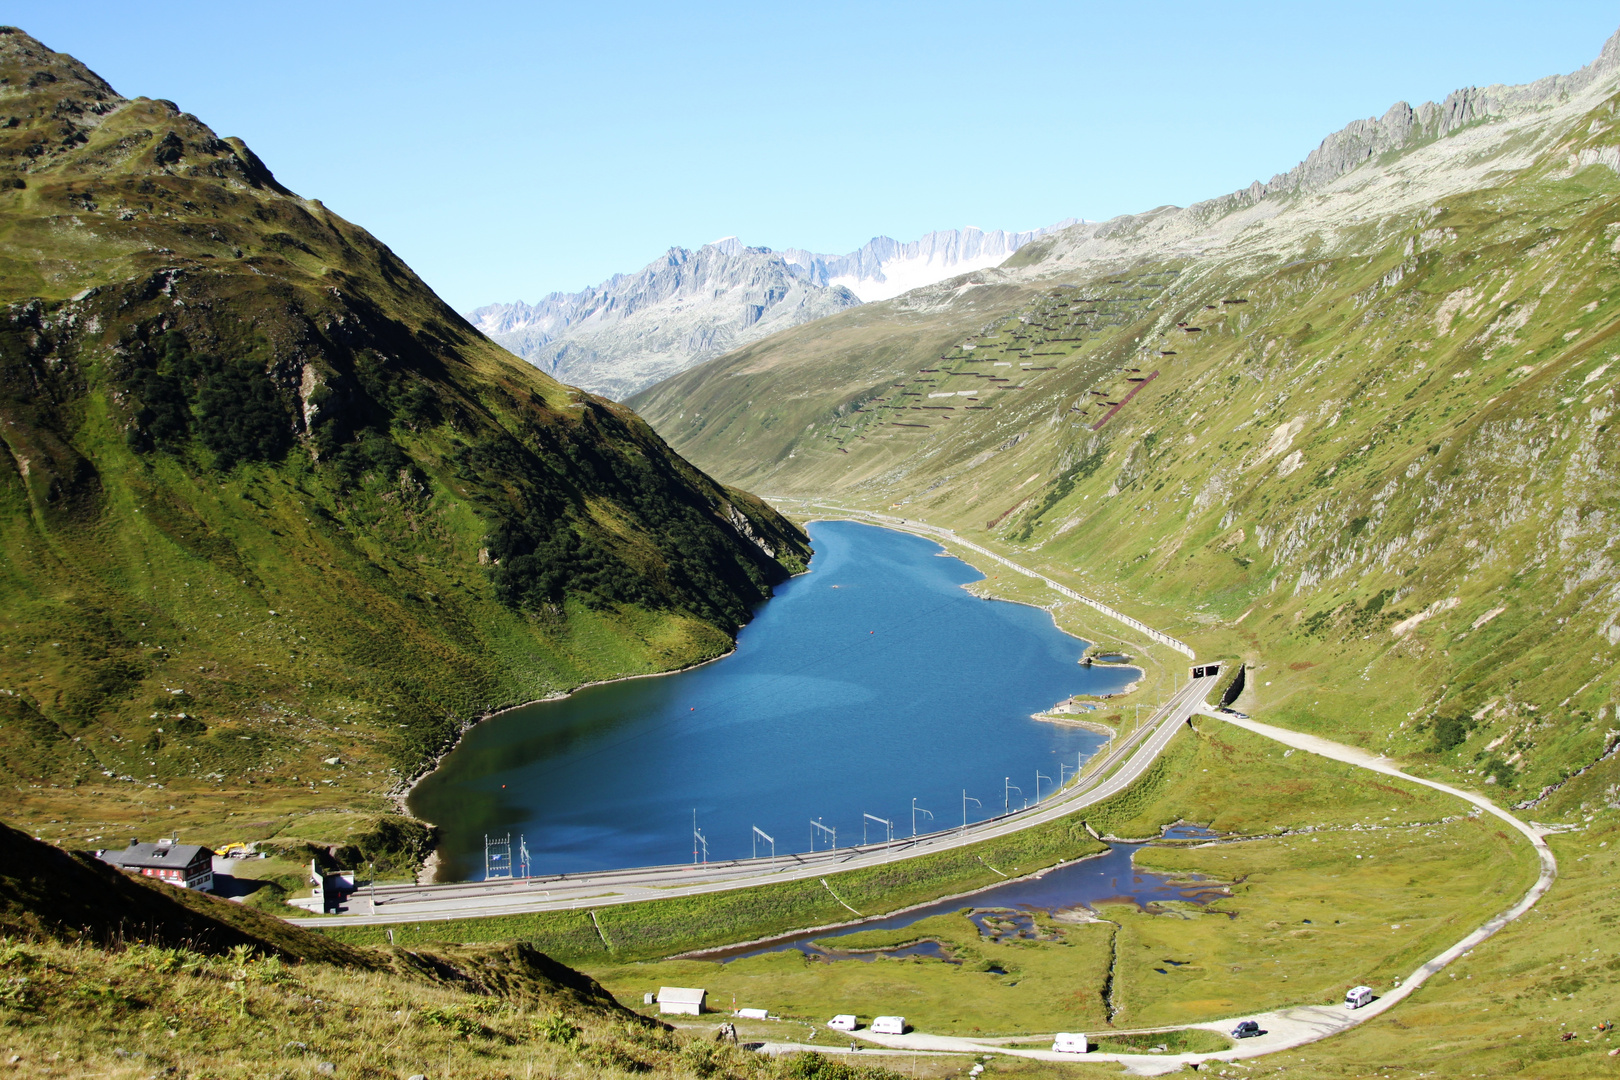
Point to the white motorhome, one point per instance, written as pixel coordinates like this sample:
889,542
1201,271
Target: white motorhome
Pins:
1070,1042
843,1022
889,1025
753,1014
1358,996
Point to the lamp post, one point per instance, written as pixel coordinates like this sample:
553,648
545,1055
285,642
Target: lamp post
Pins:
915,810
1007,788
966,798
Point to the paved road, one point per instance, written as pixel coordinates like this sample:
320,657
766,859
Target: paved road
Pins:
1285,1028
1124,760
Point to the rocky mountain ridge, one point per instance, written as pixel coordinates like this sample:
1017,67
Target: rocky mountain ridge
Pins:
1400,162
685,307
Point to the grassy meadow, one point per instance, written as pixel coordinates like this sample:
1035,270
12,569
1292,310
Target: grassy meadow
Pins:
1360,881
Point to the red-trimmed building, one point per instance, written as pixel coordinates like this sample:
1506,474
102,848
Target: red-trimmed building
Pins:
186,865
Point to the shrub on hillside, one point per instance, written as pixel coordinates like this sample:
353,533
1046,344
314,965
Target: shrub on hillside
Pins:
231,406
240,416
1450,732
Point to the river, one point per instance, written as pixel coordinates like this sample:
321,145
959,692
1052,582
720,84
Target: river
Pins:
870,681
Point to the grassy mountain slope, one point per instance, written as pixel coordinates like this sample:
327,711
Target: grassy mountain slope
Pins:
274,521
140,979
1362,439
48,893
1354,427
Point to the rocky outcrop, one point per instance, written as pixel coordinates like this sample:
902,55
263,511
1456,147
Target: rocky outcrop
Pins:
1403,127
1405,160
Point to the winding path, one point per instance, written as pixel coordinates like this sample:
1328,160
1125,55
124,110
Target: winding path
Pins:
1286,1029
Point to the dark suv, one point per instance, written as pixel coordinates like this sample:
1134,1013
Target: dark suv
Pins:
1248,1029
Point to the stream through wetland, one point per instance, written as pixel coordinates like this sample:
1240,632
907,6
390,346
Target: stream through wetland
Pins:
1007,912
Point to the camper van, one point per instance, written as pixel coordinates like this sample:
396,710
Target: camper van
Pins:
843,1022
889,1025
1358,996
1069,1042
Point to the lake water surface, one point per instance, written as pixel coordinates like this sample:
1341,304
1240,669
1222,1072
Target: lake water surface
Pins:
872,680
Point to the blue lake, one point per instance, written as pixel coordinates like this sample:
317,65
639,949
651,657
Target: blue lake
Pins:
873,680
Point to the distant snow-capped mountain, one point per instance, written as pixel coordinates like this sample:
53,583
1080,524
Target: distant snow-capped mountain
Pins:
636,329
689,306
885,268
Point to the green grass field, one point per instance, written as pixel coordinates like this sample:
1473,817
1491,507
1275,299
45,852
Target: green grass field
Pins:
1377,887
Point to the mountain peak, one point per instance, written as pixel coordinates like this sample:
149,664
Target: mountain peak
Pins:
690,306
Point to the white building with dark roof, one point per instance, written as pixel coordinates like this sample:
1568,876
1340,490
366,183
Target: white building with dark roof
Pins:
186,865
680,1000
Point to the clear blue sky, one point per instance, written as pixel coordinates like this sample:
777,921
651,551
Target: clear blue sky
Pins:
508,150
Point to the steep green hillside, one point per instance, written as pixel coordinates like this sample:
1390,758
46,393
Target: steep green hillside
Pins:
1353,426
142,979
1362,438
275,523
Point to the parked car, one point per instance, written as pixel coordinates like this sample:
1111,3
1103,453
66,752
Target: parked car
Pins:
843,1022
1248,1029
1358,996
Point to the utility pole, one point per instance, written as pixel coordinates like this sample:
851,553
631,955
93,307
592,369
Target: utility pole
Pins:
1007,788
915,810
888,825
828,829
1038,779
761,833
699,840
